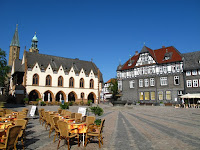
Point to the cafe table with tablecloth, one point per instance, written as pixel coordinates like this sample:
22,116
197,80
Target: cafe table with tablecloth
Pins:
80,128
3,128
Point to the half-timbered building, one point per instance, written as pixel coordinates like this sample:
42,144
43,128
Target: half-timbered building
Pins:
152,76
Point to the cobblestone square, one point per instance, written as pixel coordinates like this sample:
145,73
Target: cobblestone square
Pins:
130,127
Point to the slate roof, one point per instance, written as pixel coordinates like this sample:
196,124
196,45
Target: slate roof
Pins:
158,55
44,60
15,40
191,60
18,67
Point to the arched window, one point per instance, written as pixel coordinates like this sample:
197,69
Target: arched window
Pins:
82,95
91,83
48,80
60,81
81,83
35,79
71,82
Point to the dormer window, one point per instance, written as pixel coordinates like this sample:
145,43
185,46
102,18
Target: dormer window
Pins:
166,58
194,72
129,64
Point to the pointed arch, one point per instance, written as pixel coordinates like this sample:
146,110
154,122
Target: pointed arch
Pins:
91,84
60,81
72,96
61,95
48,95
35,79
71,82
48,80
92,97
81,83
33,95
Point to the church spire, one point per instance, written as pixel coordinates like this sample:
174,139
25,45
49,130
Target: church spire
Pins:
15,40
14,48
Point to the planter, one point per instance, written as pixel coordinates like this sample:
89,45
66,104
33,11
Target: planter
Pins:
119,103
162,104
137,104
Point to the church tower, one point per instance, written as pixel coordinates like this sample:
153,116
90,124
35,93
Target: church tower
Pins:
14,48
34,45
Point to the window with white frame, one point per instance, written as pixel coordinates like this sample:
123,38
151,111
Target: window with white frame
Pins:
176,80
153,95
178,67
160,95
132,84
168,95
189,83
188,73
173,68
141,95
195,83
194,72
180,93
165,69
146,82
120,85
199,72
140,82
152,82
163,81
161,69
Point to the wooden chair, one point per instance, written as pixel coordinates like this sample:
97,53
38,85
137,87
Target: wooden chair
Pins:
21,116
2,114
67,113
78,117
47,120
90,120
73,115
40,115
95,131
43,117
59,111
57,132
65,133
8,111
52,127
23,123
25,110
10,140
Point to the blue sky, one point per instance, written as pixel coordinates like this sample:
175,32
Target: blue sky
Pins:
107,31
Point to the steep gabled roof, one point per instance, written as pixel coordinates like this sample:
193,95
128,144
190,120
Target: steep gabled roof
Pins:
191,60
158,55
130,64
172,52
55,62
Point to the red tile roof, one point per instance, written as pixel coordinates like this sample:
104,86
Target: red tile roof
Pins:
109,81
158,55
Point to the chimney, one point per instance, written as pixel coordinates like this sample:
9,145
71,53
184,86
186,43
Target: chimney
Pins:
136,53
163,46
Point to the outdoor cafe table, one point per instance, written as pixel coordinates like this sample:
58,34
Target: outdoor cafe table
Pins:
3,128
79,128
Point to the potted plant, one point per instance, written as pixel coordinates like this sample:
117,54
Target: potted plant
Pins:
65,106
138,103
97,111
26,100
89,102
42,103
161,104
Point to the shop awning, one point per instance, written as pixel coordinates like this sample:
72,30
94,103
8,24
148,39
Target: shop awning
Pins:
195,95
